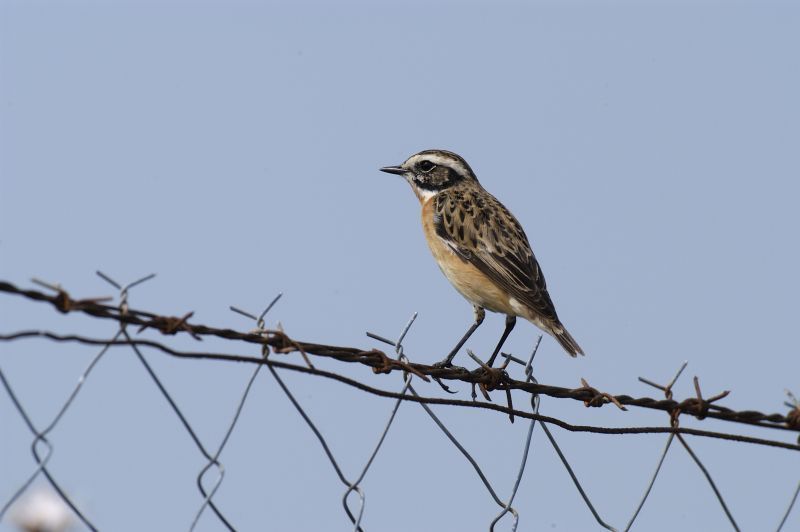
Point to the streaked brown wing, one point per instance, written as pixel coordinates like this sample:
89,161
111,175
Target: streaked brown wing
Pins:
483,232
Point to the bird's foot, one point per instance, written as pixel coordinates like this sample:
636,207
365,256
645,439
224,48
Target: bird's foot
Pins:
445,364
444,386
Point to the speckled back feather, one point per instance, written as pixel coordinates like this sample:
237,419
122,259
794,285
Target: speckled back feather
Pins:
482,231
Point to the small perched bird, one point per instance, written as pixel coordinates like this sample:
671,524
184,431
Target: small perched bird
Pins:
480,247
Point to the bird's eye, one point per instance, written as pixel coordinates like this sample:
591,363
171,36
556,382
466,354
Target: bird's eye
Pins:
426,166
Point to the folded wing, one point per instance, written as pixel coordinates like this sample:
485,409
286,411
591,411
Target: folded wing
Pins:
483,232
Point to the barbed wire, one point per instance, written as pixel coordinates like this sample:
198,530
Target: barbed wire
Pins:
483,379
280,343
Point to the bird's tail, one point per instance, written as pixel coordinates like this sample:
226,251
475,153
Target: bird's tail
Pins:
566,340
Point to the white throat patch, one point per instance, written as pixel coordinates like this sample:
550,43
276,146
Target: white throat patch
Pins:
423,194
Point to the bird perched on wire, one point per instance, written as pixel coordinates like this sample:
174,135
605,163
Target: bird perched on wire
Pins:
480,247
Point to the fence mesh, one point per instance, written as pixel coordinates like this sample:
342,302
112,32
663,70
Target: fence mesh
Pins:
483,381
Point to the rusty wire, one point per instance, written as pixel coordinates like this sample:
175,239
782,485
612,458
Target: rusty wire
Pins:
419,399
398,345
484,378
354,486
214,461
700,406
381,363
124,309
529,373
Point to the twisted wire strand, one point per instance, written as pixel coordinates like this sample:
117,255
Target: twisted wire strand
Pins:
215,459
487,378
41,462
378,360
419,399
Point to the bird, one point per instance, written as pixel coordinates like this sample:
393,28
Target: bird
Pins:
480,247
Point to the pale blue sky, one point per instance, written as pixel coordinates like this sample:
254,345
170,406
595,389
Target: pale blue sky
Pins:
648,148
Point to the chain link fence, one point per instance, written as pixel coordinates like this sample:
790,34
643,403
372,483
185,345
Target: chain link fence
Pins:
275,346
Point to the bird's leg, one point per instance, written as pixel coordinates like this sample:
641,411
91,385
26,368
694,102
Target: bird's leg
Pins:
479,315
510,322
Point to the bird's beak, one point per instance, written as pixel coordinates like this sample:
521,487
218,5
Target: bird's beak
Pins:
398,170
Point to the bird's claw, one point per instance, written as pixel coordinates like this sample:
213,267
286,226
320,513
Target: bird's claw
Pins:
445,364
444,386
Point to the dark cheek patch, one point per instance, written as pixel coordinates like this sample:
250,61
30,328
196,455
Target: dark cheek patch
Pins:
452,175
437,179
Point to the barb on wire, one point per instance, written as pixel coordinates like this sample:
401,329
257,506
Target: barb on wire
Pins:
793,420
453,439
529,375
124,310
668,394
793,417
668,388
484,389
699,408
379,362
526,449
214,461
320,438
354,486
41,436
506,506
460,447
486,378
351,486
385,393
598,398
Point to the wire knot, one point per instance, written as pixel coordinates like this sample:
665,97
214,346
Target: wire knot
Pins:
385,364
494,376
63,302
698,407
171,325
597,398
283,344
66,304
793,418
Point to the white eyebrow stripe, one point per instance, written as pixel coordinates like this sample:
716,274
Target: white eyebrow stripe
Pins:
440,160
